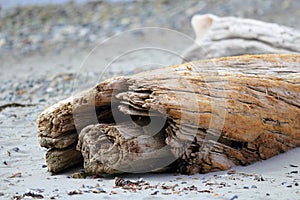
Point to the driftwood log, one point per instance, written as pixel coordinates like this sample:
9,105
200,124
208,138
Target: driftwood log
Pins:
232,36
203,116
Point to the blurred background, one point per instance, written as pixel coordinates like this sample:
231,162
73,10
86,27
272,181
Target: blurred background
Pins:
40,39
28,26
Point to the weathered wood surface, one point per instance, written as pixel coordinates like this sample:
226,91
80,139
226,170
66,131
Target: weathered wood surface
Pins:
128,149
58,160
219,113
232,36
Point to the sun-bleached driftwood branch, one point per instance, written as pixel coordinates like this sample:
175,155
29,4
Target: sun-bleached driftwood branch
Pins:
216,114
232,36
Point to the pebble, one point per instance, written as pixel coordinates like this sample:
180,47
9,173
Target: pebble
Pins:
155,192
113,192
259,178
16,149
2,42
74,192
30,194
231,172
234,197
254,186
98,190
49,90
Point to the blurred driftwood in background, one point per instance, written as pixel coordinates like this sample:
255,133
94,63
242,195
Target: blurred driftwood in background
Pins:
232,36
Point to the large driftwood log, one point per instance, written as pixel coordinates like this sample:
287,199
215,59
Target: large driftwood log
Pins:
232,36
217,114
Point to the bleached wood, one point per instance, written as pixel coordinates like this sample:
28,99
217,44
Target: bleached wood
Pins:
232,36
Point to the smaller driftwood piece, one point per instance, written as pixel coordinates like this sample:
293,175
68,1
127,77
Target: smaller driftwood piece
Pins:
232,36
195,117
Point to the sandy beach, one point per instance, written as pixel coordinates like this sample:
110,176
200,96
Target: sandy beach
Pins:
49,52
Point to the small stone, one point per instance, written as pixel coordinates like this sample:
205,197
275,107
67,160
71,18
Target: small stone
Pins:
155,192
68,30
16,149
234,197
44,166
259,178
100,190
95,191
83,32
2,42
294,172
254,186
289,186
73,192
113,192
33,194
267,194
291,165
231,172
125,21
49,90
246,187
